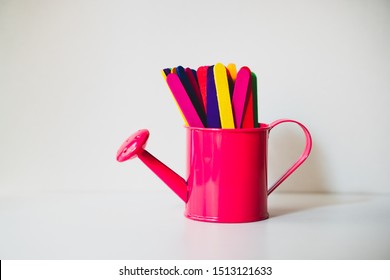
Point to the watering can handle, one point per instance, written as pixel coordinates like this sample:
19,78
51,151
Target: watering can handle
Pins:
300,160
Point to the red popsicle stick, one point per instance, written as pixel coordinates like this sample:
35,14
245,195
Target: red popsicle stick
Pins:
202,81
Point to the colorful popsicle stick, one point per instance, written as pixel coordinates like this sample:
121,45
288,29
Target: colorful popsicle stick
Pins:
181,73
201,74
213,119
241,89
183,100
164,73
195,87
232,75
232,70
249,119
194,73
255,100
223,95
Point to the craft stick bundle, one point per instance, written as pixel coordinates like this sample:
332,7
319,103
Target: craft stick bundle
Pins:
215,96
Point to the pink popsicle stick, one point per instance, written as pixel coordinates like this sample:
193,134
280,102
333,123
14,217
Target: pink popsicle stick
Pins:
183,101
240,95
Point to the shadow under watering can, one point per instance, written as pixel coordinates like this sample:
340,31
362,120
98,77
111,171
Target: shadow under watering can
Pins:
226,171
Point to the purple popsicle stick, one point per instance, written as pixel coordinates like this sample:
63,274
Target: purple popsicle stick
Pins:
167,71
212,112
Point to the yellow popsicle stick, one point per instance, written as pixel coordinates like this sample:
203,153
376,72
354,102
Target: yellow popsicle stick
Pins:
233,71
163,74
223,96
177,105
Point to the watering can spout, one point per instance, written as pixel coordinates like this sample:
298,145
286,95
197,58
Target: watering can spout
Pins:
135,146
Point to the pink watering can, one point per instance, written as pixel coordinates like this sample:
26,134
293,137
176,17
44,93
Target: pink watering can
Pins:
226,171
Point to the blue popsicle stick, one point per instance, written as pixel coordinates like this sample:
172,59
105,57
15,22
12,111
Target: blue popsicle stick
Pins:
195,75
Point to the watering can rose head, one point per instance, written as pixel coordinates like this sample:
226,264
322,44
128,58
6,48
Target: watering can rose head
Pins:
133,145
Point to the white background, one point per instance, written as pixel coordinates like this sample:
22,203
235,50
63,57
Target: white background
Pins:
78,77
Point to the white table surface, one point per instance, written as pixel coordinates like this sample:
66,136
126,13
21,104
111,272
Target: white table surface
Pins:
151,225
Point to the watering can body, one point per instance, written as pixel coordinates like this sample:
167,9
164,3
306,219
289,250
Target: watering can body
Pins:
226,171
